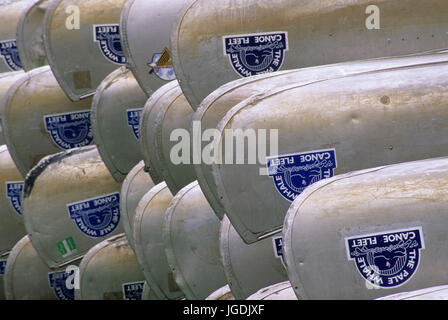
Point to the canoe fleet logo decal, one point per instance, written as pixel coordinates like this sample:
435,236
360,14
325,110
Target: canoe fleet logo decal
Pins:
58,282
162,66
252,54
70,130
133,290
108,38
10,54
14,191
133,116
3,266
386,259
277,242
96,217
293,173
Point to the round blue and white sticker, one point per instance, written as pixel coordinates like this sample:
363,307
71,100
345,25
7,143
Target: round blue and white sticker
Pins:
252,54
58,282
386,259
294,172
14,191
109,40
10,54
133,290
133,116
70,130
96,217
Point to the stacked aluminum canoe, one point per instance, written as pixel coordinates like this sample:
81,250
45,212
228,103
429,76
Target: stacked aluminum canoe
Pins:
288,150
